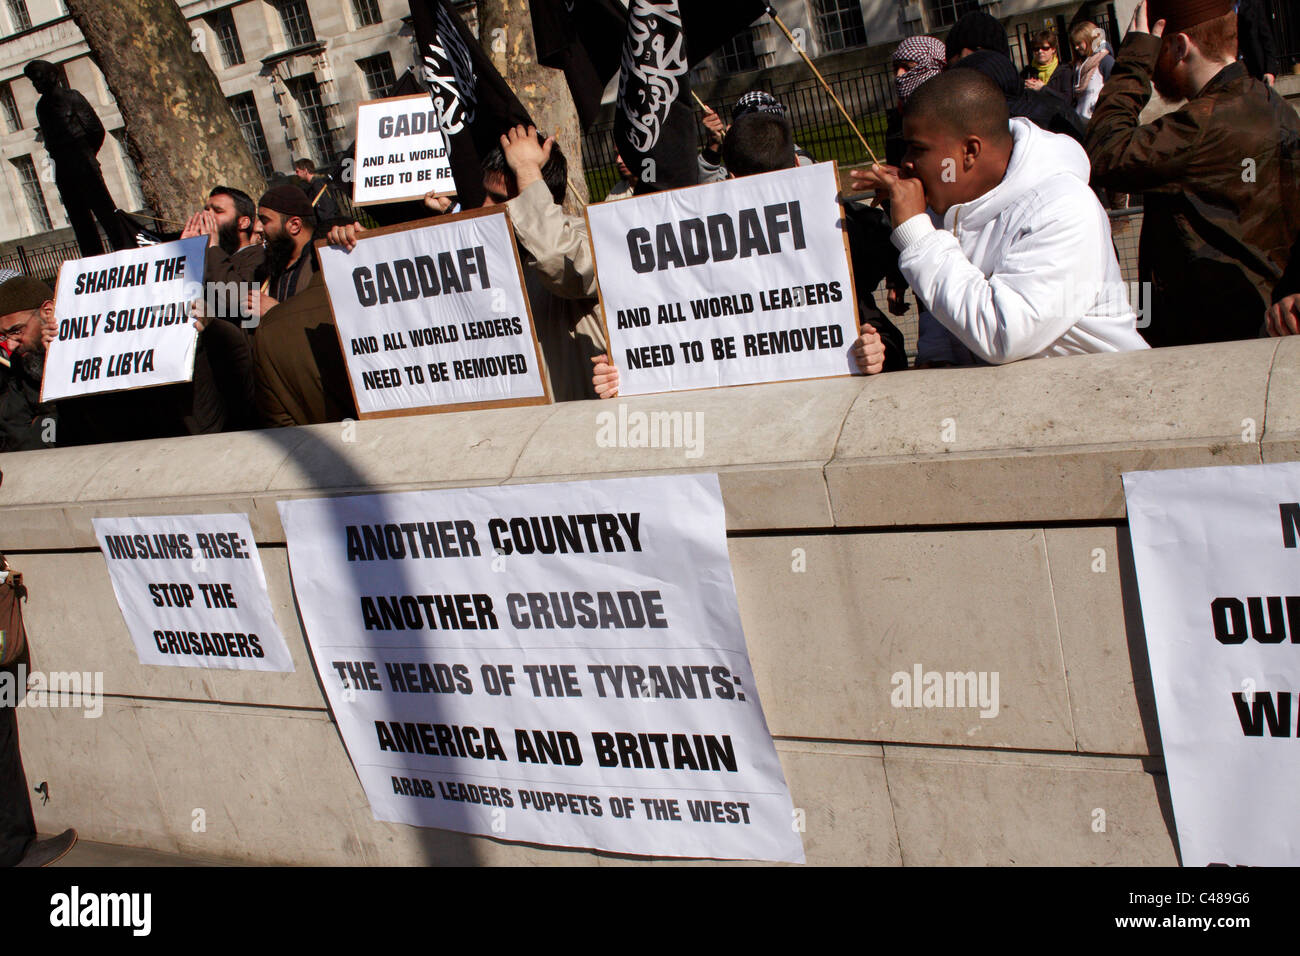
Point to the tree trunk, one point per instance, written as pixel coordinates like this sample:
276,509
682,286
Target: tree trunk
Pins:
505,30
179,128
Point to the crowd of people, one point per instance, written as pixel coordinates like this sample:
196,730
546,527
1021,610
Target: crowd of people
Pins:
989,208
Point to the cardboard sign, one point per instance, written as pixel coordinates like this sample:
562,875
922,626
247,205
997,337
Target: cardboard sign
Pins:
124,320
1217,552
559,664
433,316
400,152
193,592
731,283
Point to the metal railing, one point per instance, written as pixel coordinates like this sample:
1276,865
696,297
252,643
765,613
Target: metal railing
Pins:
42,263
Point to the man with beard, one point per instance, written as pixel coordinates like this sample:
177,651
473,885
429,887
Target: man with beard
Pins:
1221,175
234,253
26,304
285,223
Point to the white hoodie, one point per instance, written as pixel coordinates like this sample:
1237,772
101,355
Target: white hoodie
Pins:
1028,269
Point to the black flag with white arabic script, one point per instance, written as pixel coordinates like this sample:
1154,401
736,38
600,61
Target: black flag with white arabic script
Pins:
475,105
580,37
654,119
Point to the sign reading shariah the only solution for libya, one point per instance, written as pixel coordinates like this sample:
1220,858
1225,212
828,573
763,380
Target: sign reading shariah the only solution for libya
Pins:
559,664
124,320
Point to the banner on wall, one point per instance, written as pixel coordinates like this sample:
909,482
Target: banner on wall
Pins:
1217,553
193,592
560,664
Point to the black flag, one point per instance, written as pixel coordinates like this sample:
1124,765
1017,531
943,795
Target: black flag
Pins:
475,105
581,37
654,121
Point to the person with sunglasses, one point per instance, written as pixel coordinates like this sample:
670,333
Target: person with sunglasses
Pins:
26,305
1045,71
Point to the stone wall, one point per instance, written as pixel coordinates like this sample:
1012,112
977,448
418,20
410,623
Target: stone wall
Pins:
957,519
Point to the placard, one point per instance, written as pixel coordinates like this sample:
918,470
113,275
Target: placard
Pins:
731,283
192,591
559,664
400,151
433,316
1217,552
124,320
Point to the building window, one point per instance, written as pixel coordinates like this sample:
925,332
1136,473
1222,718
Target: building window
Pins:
32,191
296,19
19,16
320,140
839,24
378,71
250,124
944,13
367,12
737,54
223,25
13,119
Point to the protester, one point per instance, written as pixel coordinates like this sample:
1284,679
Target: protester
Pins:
1256,42
915,60
234,251
712,164
976,30
73,136
763,142
626,184
286,224
529,173
1219,175
317,188
1014,256
26,306
1093,66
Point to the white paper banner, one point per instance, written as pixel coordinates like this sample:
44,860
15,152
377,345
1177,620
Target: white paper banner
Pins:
124,320
434,316
192,591
1218,569
727,284
400,153
559,664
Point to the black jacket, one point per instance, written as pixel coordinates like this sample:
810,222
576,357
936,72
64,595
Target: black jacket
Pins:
24,421
873,258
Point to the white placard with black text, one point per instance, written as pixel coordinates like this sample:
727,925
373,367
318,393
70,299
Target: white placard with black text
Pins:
193,592
434,316
124,321
559,664
400,153
729,283
1217,553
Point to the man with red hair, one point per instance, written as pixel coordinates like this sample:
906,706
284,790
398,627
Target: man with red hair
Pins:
1220,176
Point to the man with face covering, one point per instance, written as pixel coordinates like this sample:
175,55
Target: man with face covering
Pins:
1220,176
228,221
73,135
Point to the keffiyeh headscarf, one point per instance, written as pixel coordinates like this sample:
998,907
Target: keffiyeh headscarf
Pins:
757,101
928,54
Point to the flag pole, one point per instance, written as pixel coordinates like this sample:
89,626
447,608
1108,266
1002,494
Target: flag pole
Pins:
771,12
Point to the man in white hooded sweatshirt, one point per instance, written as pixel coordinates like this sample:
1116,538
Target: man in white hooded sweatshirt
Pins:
1014,254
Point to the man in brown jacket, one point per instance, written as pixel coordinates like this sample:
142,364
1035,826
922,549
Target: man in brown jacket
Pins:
1220,176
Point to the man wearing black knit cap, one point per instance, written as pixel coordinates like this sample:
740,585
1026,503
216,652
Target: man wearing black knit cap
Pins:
286,223
976,30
